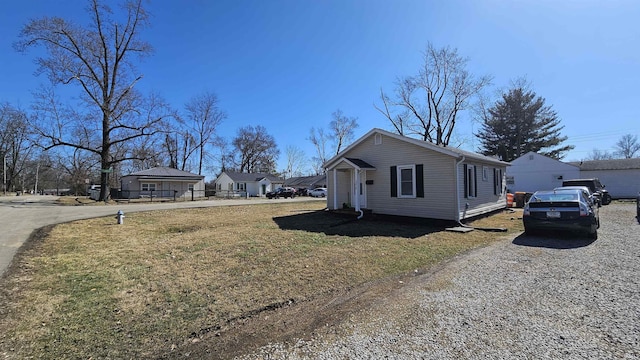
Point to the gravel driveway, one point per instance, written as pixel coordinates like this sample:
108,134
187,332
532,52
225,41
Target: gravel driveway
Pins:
524,298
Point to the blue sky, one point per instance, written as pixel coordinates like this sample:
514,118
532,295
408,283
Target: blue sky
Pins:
287,65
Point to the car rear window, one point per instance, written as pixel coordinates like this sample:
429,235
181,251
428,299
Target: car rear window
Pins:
554,197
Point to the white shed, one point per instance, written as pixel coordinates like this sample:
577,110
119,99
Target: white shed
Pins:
621,177
532,172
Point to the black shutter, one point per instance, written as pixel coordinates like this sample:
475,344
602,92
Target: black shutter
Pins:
419,181
394,181
475,181
466,184
495,181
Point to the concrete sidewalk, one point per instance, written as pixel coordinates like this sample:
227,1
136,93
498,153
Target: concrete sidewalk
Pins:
21,215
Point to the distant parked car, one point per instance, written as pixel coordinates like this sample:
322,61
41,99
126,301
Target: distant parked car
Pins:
285,192
302,191
594,185
318,192
561,210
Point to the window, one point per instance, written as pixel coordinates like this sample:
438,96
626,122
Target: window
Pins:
485,173
377,140
407,181
190,187
497,181
241,186
470,181
148,187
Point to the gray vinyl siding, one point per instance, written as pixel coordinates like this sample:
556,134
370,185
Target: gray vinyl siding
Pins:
485,199
439,200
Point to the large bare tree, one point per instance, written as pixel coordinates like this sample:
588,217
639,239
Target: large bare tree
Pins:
256,150
428,103
204,115
98,60
342,127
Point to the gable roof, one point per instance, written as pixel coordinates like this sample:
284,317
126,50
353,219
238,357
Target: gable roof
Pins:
165,172
251,177
531,155
306,181
613,164
446,150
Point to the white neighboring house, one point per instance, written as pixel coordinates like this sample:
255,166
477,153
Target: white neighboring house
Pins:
391,174
532,172
237,184
621,177
162,182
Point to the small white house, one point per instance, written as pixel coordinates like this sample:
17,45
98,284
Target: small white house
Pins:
237,184
162,182
391,174
621,177
532,172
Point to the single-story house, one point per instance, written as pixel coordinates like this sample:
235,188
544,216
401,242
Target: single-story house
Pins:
232,183
621,177
391,174
307,182
162,182
532,172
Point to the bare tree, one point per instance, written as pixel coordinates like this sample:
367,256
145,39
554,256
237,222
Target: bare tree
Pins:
98,59
295,161
342,128
627,146
596,154
256,150
319,141
429,102
16,147
205,116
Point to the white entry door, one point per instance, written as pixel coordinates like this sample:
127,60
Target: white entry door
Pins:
360,188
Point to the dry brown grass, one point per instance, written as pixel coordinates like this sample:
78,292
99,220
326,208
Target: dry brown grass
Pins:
92,289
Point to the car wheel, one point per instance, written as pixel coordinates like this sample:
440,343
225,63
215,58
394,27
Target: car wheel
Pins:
323,195
606,199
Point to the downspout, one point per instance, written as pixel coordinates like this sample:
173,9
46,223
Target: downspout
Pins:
357,194
458,189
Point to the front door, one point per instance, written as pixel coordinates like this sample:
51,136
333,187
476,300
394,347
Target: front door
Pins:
359,188
363,190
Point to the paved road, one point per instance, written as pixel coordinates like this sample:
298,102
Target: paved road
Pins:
21,215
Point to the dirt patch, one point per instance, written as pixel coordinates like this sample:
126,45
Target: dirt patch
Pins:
291,322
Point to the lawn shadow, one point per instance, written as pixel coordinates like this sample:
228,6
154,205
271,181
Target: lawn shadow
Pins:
561,240
330,223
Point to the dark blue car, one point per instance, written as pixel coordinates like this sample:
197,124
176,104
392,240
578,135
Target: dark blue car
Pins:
571,210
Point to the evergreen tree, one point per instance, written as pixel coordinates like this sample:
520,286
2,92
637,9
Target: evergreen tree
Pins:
521,122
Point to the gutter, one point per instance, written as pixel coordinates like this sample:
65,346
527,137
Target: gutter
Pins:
457,189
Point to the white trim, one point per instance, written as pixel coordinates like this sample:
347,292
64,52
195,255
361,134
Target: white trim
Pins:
412,167
471,182
451,151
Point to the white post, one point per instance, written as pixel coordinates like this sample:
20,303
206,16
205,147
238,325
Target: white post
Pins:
356,188
335,188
